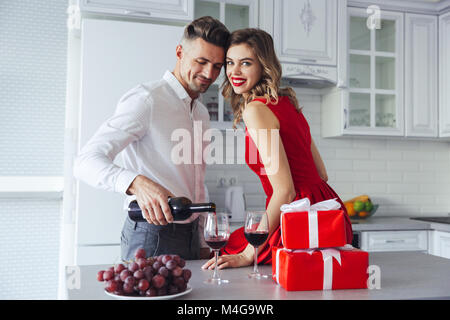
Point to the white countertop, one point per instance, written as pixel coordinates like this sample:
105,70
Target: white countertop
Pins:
396,223
403,275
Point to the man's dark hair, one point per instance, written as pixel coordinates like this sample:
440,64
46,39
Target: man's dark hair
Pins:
209,29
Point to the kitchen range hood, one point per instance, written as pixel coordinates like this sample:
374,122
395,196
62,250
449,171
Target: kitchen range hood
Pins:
309,76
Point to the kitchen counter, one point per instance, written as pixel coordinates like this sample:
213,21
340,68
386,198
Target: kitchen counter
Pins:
396,223
404,275
389,223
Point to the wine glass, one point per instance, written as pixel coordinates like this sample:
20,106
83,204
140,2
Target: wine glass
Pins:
217,233
256,232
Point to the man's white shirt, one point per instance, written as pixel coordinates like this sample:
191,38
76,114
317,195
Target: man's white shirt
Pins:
142,131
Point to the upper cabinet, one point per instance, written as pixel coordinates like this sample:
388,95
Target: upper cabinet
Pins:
372,103
375,100
177,10
305,31
398,75
305,34
421,75
444,75
235,14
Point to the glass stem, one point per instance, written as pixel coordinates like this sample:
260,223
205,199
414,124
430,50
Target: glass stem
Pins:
255,266
216,274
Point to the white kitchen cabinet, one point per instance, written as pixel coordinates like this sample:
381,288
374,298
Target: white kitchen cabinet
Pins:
444,75
440,244
265,15
411,240
308,39
421,75
235,14
178,10
305,31
375,92
372,102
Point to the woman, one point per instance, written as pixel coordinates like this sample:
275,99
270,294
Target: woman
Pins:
287,162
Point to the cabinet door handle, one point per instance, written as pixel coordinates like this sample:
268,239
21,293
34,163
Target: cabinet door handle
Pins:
144,13
308,60
345,118
396,241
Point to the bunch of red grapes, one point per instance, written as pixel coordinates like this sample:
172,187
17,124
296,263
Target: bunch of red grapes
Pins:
147,277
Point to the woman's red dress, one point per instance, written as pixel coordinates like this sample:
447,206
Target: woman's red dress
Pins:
296,138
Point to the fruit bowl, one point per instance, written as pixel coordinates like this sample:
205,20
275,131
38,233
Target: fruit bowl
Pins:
365,215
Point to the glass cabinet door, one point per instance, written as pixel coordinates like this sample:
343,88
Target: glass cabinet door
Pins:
375,71
235,14
359,109
359,34
207,8
385,36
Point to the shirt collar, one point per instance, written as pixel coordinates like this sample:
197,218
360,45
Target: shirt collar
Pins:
176,86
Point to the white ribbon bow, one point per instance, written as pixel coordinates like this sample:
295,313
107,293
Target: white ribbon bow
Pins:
327,256
313,225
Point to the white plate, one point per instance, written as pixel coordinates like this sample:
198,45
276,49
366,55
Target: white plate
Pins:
167,297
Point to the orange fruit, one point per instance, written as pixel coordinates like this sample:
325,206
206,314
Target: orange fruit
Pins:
363,214
350,210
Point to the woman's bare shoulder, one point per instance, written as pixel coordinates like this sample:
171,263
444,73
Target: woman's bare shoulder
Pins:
255,108
259,112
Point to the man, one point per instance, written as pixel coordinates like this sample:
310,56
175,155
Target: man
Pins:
142,127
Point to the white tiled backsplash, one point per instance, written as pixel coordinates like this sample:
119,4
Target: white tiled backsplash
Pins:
405,177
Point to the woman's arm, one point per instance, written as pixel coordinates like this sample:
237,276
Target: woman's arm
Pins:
263,127
319,162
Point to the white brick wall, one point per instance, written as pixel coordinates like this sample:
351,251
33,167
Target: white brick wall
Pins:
405,177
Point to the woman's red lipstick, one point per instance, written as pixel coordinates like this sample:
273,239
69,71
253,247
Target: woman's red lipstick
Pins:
237,82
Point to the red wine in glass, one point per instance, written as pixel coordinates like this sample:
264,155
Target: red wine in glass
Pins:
216,243
216,233
256,238
256,231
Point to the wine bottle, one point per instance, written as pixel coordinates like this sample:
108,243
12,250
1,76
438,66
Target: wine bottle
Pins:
181,208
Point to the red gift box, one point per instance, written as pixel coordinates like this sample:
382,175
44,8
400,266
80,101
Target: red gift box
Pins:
314,229
324,269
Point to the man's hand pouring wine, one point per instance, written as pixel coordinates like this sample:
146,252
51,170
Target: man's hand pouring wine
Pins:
152,199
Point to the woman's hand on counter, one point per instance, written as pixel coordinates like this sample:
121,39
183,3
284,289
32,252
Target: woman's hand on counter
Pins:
229,261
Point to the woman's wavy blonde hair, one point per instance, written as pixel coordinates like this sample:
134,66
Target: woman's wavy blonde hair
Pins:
269,85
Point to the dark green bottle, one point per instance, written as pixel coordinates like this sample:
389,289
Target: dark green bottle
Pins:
181,207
